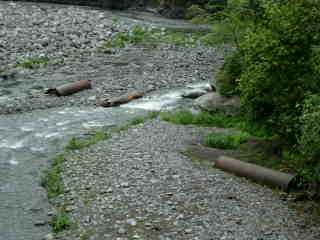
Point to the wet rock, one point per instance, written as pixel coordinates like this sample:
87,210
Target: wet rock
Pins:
194,93
40,223
8,75
214,102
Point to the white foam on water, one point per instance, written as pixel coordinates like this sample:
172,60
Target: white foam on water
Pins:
203,86
26,129
63,123
40,135
13,162
37,149
12,145
157,102
51,135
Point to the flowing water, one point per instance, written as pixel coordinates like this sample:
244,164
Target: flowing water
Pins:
29,140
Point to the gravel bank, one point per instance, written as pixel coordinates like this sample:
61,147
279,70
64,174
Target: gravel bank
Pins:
138,185
71,37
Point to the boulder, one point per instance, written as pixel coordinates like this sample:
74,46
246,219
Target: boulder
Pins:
214,102
193,93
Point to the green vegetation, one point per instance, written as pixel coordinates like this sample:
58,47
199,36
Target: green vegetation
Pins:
226,140
95,137
309,141
136,121
274,68
152,37
51,179
60,221
220,120
34,63
228,77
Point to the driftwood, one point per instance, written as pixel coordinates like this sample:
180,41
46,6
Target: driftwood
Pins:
117,101
70,88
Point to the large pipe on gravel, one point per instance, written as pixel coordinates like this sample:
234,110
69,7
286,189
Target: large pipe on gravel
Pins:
257,173
70,88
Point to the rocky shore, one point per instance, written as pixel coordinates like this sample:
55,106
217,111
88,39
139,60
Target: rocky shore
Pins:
71,40
140,185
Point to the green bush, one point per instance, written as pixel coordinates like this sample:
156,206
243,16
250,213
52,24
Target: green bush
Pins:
195,11
229,74
309,141
278,64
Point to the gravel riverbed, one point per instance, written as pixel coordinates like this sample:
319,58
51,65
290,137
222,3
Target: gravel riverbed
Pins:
139,185
71,38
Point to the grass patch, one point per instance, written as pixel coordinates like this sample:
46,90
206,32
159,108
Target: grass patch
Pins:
152,37
60,221
226,140
34,63
76,143
51,179
221,120
136,121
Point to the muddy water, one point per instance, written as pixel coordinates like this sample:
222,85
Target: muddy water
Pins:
29,140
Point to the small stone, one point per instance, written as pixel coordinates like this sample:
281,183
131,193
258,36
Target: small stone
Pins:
122,231
40,223
132,222
69,209
188,231
92,98
124,184
49,236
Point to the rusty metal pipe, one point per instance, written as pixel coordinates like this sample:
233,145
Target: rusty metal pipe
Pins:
243,169
70,88
257,173
117,101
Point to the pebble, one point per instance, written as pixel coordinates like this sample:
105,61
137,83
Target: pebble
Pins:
132,222
49,236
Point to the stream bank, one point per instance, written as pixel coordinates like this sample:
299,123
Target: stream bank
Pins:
136,185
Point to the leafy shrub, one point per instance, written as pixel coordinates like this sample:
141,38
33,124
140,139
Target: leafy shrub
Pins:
279,73
195,11
309,141
229,74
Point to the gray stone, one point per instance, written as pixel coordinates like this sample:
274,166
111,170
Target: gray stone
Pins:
132,222
214,102
49,236
194,93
